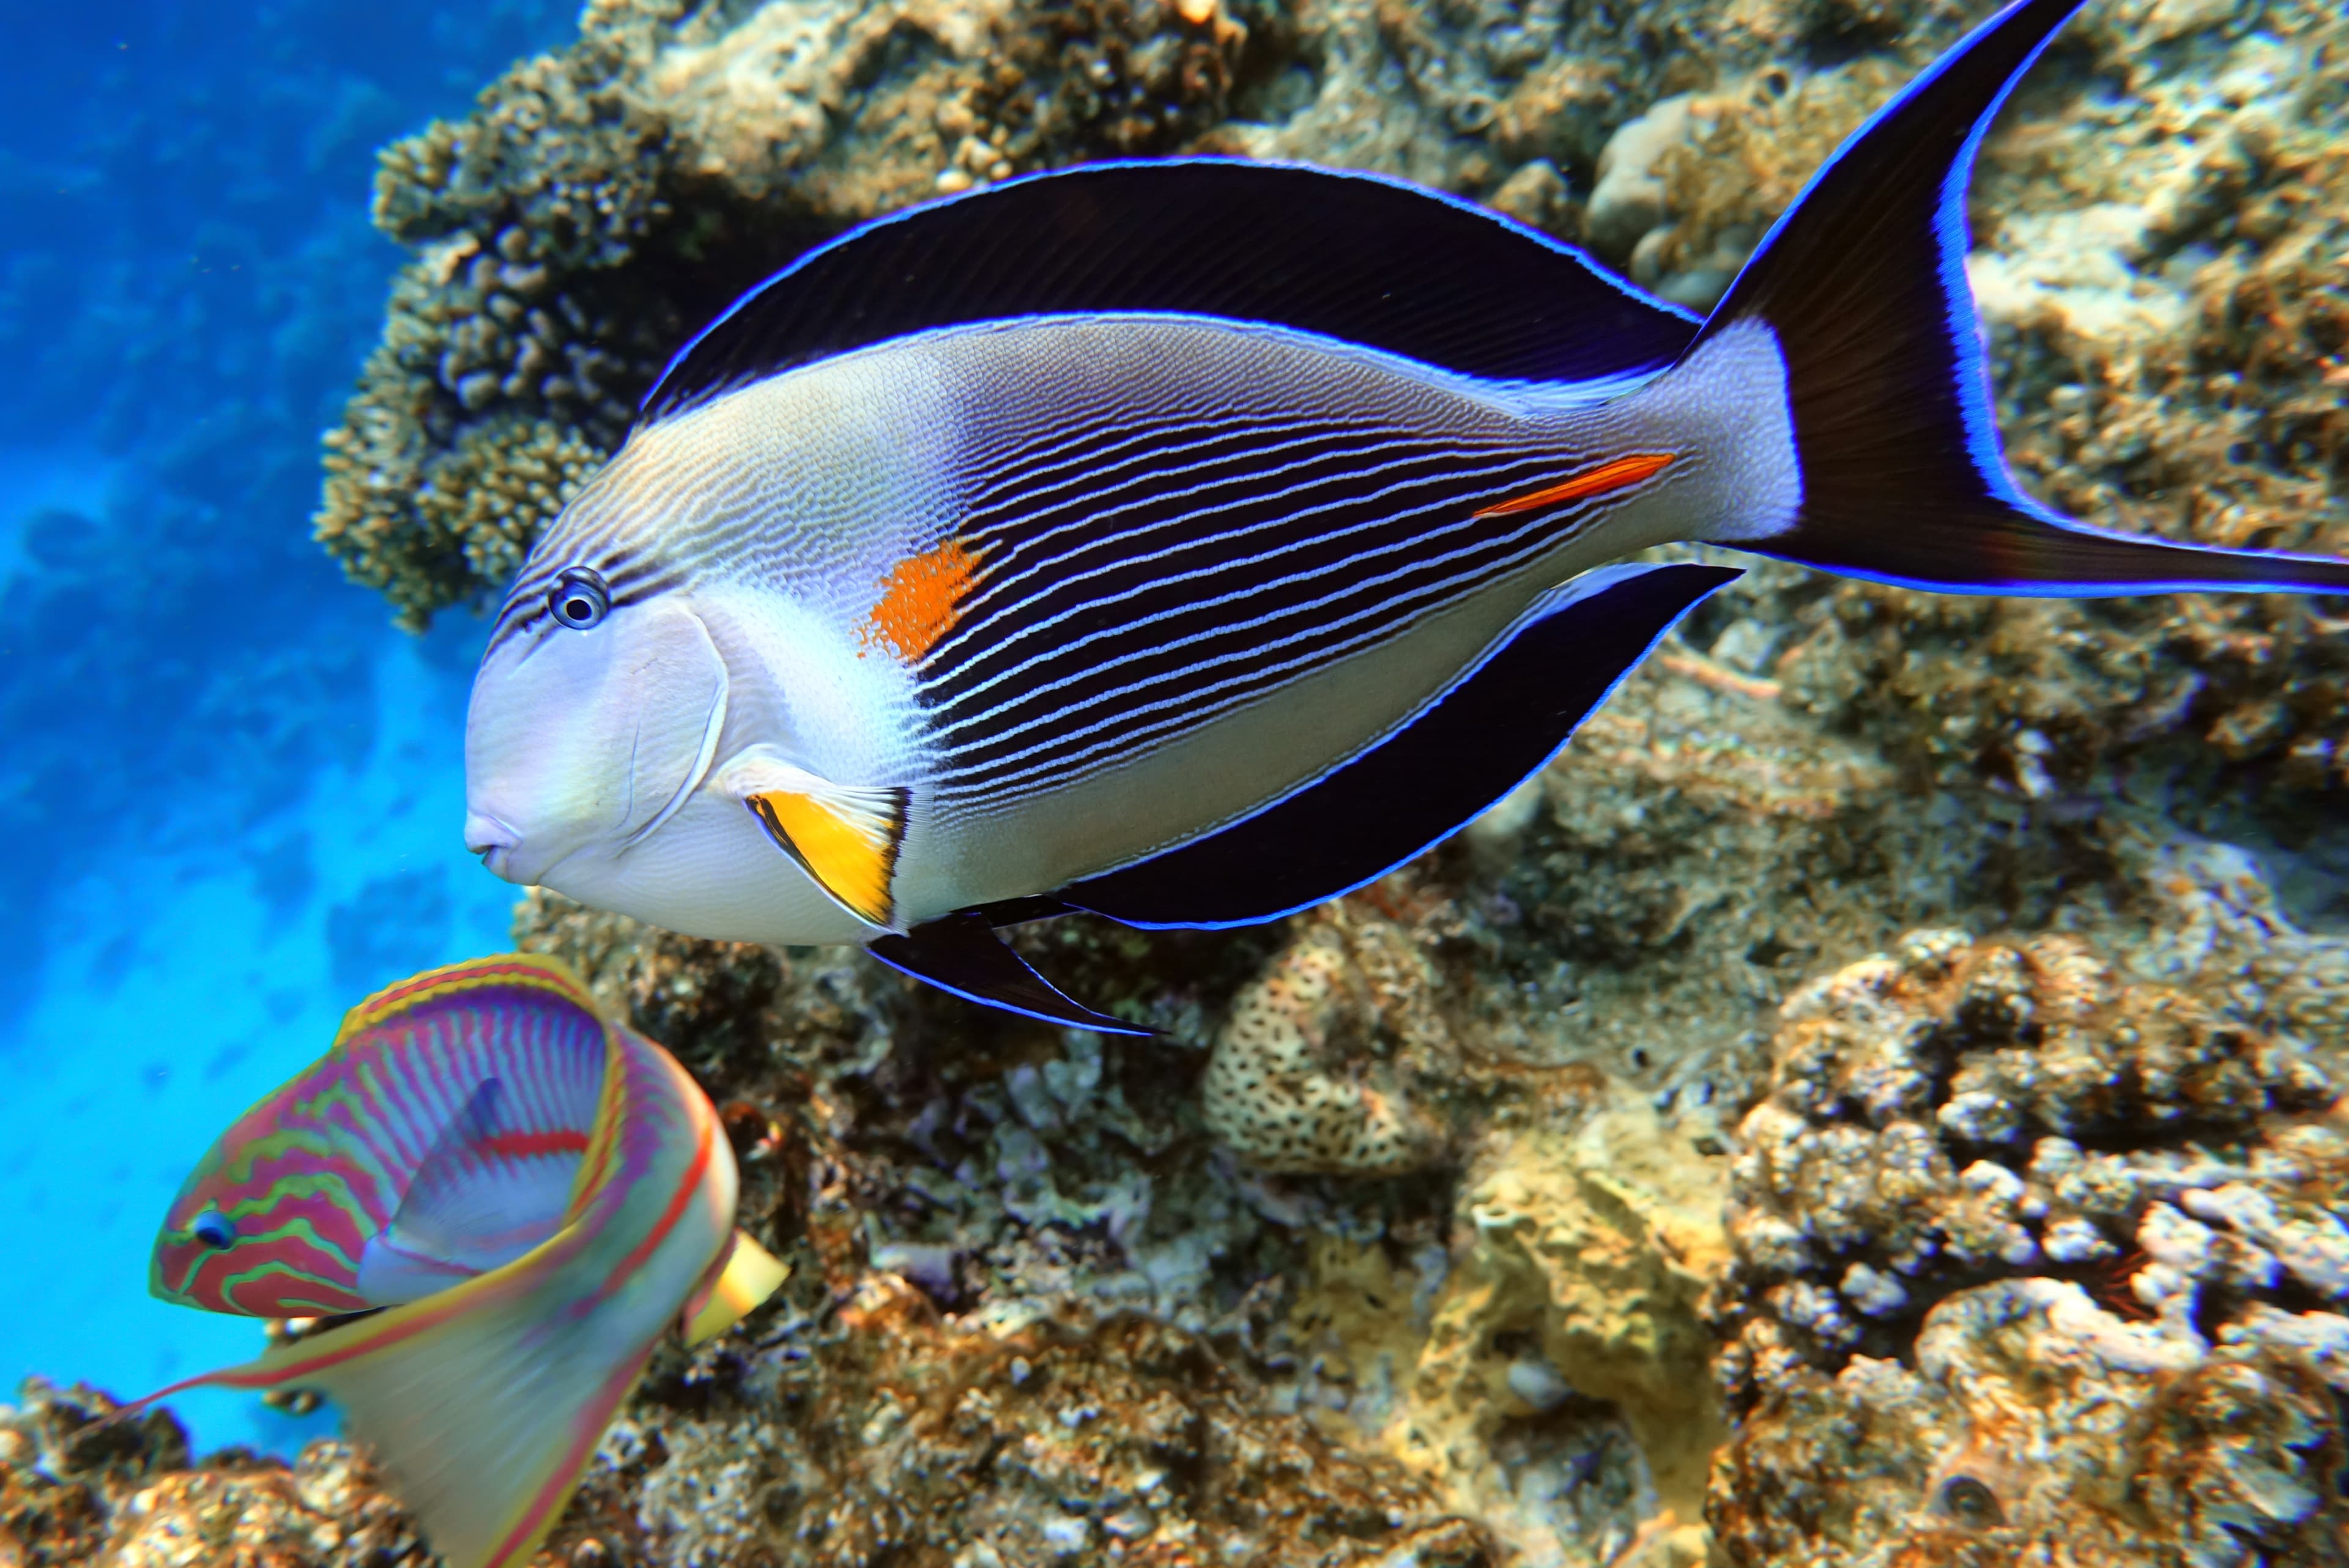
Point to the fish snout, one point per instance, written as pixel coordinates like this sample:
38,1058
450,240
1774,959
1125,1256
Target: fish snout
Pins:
495,842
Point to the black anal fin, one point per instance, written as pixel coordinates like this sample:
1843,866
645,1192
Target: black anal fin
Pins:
1489,733
961,953
1020,911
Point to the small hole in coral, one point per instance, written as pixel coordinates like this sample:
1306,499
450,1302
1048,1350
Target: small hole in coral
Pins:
1971,1503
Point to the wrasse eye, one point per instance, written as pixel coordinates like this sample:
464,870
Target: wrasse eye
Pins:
579,598
212,1229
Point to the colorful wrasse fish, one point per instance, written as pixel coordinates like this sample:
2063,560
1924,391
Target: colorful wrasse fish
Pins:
1192,542
533,1192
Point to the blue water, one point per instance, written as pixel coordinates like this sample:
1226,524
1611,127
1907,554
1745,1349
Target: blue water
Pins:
230,794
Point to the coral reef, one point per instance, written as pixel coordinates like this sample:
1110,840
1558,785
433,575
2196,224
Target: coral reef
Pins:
1577,1195
2022,1238
603,202
77,1487
1523,1343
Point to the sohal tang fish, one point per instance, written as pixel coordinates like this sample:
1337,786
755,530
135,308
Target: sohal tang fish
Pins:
1192,542
535,1193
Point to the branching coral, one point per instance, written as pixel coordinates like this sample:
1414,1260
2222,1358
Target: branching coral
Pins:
602,203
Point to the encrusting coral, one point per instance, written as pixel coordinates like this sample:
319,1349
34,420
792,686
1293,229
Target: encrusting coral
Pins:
2023,1240
1293,1083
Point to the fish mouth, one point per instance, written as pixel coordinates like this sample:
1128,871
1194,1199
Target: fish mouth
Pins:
495,841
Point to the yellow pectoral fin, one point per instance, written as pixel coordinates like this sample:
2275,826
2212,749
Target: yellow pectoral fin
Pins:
846,838
749,1275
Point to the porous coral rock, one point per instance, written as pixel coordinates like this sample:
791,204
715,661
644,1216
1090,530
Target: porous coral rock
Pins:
2034,1425
1924,1131
77,1487
2026,1235
1591,1247
1548,1372
1298,1080
893,1432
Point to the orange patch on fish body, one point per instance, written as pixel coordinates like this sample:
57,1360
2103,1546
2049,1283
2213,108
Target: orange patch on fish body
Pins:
919,600
1621,474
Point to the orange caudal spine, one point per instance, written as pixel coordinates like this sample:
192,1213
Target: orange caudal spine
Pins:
920,600
1617,474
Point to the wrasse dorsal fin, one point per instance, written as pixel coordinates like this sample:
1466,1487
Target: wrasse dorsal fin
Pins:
1490,731
845,836
1862,285
483,1405
1352,256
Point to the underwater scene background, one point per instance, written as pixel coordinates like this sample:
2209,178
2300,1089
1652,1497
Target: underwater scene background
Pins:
229,786
1874,1099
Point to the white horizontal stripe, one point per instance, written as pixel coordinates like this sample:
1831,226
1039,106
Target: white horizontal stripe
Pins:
1285,522
1455,586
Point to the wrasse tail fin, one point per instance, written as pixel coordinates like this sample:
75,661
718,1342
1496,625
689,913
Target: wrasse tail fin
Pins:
484,1404
744,1275
1492,729
961,953
1863,284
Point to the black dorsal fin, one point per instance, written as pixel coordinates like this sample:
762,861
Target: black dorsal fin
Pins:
1355,256
1417,787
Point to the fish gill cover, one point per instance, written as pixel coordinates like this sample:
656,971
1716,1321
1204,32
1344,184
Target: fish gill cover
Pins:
1895,1015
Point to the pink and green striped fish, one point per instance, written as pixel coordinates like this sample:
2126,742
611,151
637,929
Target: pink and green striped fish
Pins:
532,1191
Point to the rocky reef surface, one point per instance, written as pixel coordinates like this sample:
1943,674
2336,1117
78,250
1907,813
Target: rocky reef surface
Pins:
1874,1100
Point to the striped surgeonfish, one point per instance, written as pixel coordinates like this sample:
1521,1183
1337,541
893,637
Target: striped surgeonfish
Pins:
533,1193
1191,542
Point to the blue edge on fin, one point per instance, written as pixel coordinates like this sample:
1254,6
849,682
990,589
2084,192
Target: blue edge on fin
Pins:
1491,730
1494,727
1503,720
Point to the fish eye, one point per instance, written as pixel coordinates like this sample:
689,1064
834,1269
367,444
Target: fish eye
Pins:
579,598
212,1229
